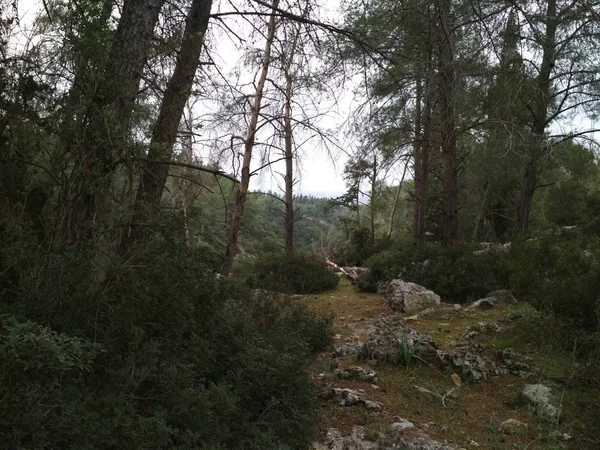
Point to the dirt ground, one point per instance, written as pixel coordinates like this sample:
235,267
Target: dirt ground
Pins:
470,416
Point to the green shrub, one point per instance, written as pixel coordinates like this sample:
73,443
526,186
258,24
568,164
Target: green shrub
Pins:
457,276
159,354
298,274
560,273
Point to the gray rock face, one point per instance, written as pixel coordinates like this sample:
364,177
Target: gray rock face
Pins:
408,297
385,343
539,398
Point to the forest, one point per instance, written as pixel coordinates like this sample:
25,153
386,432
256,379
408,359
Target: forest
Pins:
158,256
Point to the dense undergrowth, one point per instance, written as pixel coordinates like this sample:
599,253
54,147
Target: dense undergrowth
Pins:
296,274
96,353
558,272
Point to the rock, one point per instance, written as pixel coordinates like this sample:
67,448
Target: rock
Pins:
514,363
538,397
355,441
484,303
512,426
348,348
470,365
346,397
401,426
349,397
357,373
503,297
408,297
385,344
411,318
370,404
393,438
456,381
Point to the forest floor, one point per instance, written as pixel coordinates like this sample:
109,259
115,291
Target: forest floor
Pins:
470,418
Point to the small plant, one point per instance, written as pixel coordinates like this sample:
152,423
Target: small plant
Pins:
407,352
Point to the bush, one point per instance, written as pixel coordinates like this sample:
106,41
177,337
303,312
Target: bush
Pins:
299,274
560,273
457,276
160,354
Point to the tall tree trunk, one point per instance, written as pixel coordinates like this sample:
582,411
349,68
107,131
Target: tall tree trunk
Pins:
108,118
155,171
242,192
396,200
373,198
538,128
482,210
289,168
447,97
420,196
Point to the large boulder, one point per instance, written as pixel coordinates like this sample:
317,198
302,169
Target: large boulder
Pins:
408,297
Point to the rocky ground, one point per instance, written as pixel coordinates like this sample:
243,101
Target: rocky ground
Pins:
487,376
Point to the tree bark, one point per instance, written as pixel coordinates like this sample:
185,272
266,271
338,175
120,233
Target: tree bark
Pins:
108,118
289,169
447,99
242,192
538,128
155,172
373,196
396,200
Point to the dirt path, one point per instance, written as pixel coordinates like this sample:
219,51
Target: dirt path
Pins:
470,415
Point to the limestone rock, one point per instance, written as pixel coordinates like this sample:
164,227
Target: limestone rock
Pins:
357,373
469,365
539,398
503,297
484,303
391,439
408,297
385,344
512,426
401,426
348,348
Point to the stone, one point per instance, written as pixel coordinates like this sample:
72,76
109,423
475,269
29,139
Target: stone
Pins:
469,365
385,343
408,297
538,396
512,426
401,426
355,441
484,303
514,363
348,397
348,348
456,381
357,373
503,297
